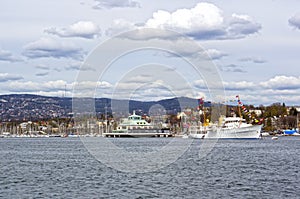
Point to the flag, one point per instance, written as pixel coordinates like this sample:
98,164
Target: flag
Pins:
201,101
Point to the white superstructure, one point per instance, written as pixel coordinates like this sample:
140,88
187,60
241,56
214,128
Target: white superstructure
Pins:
234,128
133,122
135,126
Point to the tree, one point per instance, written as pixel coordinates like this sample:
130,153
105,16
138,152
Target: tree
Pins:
293,111
268,126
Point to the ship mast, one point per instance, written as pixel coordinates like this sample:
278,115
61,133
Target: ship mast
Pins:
201,106
239,106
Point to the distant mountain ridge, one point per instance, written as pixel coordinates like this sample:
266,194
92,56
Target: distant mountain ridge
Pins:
19,107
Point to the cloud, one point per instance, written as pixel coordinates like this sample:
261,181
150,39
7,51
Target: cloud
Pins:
240,26
89,86
279,88
139,79
8,56
72,67
295,21
276,89
215,54
76,66
109,4
204,54
120,25
42,67
42,74
204,16
188,48
232,68
282,83
184,48
30,86
205,21
57,86
4,77
83,29
144,88
47,47
256,60
239,86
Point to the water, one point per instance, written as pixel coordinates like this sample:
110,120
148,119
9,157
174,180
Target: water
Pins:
63,168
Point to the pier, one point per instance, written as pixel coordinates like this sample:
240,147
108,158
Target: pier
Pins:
139,133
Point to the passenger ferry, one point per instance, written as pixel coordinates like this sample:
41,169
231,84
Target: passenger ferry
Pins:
135,126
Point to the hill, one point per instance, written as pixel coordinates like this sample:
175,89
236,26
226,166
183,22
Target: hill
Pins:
24,107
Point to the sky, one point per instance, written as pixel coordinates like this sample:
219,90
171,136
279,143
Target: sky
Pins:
46,46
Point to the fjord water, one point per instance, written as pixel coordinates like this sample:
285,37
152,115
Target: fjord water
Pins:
63,168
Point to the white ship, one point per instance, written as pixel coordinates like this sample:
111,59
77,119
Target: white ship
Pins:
234,128
229,128
135,126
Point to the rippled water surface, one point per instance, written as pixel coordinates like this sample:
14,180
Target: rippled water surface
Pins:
63,168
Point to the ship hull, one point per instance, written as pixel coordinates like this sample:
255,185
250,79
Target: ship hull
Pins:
140,133
251,132
197,135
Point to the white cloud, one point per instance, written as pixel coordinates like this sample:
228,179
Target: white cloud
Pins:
295,21
55,88
203,16
265,92
239,86
30,86
256,60
146,89
8,56
277,89
76,66
215,54
83,29
92,89
4,77
204,21
232,68
282,83
139,79
120,25
47,47
100,4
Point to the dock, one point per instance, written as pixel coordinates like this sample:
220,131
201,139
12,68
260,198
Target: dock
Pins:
140,133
